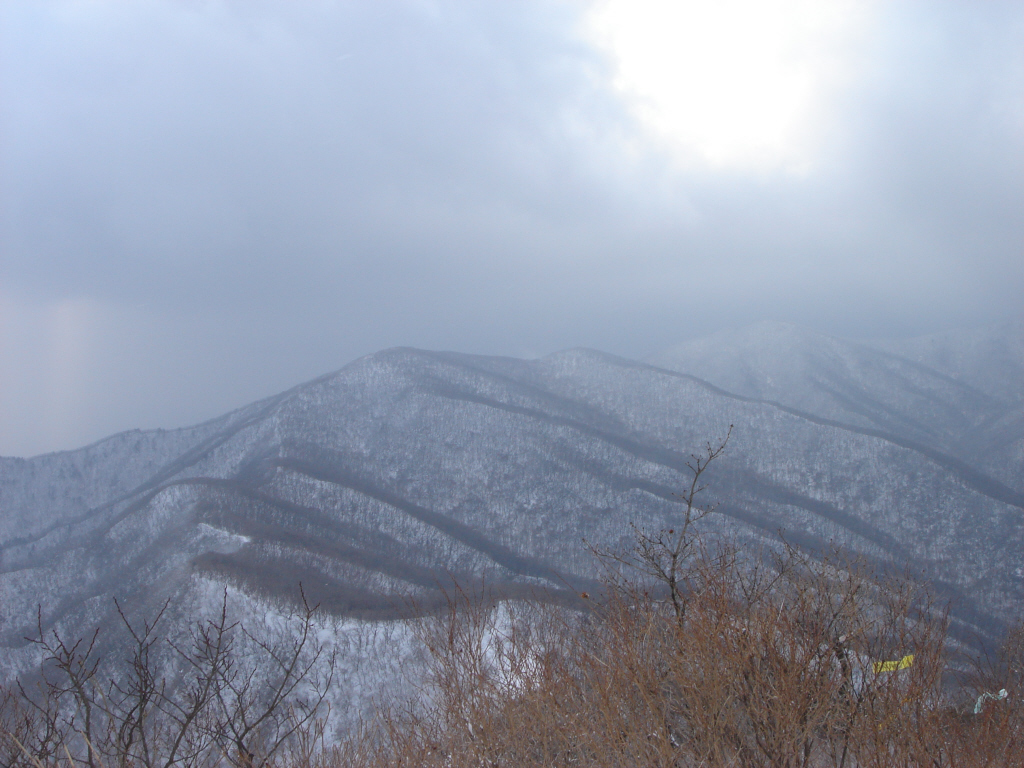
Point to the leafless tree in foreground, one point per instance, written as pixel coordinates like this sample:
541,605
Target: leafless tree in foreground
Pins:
667,555
230,697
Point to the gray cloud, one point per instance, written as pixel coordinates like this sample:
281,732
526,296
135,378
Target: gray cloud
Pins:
207,202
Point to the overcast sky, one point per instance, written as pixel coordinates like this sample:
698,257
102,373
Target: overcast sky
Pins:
203,203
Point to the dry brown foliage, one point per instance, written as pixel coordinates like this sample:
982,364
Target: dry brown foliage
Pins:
769,667
702,655
770,664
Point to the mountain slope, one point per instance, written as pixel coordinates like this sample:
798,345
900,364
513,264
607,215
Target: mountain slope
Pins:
379,485
961,410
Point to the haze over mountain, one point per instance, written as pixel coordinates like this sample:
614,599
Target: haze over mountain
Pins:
378,485
959,393
206,203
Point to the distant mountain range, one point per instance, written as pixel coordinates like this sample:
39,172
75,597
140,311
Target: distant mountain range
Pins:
378,485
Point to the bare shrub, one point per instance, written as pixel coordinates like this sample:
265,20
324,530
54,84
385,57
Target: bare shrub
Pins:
235,698
700,654
770,667
989,730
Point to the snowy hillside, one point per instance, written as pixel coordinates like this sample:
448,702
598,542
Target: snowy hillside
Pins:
378,485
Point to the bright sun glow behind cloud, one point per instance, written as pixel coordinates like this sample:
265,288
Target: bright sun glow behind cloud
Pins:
731,83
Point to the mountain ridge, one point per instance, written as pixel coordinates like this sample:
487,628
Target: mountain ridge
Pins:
407,470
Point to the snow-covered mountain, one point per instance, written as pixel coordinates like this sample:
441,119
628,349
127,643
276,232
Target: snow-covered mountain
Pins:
378,485
989,359
960,394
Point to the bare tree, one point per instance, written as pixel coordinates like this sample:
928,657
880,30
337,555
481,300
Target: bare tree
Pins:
232,696
260,708
667,555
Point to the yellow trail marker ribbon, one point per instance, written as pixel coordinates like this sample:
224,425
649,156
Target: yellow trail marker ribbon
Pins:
894,666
